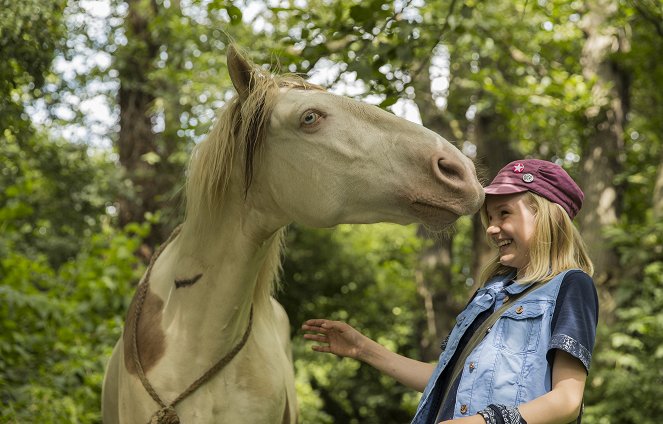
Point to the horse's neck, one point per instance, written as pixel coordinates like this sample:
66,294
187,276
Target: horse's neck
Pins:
221,267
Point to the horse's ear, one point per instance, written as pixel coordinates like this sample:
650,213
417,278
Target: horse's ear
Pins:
240,72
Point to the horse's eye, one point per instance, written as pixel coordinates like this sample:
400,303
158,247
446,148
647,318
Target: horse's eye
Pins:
310,118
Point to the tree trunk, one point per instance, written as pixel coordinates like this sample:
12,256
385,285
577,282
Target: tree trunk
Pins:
434,280
603,148
657,198
136,137
491,137
433,275
142,153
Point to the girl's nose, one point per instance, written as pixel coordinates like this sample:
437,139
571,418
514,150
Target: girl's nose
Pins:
492,230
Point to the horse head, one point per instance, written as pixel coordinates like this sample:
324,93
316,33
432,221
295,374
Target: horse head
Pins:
319,159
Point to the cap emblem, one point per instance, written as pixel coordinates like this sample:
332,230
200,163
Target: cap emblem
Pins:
518,168
528,178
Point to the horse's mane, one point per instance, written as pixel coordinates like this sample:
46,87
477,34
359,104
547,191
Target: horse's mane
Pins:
239,131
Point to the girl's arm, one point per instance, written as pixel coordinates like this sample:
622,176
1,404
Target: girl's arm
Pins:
342,340
562,404
559,406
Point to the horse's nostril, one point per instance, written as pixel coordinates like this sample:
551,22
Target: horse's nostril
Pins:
449,169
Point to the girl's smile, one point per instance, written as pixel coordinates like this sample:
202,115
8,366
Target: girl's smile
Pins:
511,227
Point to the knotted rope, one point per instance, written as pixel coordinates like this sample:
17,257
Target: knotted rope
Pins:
167,414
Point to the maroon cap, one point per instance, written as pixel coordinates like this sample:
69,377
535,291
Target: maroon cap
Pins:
544,178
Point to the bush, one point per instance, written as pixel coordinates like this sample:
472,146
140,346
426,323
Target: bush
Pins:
58,327
628,382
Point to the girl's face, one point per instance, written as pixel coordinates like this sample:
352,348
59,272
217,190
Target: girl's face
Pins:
511,227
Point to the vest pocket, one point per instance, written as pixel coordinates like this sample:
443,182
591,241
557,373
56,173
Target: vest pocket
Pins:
519,328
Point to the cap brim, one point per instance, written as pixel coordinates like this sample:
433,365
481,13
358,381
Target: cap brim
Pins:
504,189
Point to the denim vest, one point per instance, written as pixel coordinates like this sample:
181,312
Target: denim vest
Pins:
509,365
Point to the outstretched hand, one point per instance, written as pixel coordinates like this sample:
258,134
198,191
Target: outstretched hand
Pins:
342,340
335,337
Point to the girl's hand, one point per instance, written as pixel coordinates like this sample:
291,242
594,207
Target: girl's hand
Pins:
335,337
342,340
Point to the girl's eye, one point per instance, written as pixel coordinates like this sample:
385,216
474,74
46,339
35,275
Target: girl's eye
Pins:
310,118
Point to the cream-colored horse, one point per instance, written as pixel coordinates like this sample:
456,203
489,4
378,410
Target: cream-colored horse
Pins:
281,151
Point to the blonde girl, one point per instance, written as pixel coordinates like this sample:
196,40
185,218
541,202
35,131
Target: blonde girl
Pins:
521,349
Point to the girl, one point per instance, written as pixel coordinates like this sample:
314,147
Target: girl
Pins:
521,349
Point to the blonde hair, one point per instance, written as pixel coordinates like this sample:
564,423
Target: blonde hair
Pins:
556,244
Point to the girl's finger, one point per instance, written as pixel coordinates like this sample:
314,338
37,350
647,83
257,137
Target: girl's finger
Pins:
315,322
314,328
316,337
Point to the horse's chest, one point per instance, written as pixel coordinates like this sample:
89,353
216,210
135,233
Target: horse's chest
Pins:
253,387
249,391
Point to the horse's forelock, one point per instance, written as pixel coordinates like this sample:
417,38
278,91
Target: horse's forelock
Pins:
241,123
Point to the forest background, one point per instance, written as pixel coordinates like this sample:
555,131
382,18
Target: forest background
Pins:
101,103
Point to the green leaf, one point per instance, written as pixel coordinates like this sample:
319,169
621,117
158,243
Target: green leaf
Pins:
151,158
235,14
390,100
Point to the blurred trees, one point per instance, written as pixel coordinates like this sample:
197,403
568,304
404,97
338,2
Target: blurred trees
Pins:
577,82
30,34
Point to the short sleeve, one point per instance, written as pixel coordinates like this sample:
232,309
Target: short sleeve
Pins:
575,318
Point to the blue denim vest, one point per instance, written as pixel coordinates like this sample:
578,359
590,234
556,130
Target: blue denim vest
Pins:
509,365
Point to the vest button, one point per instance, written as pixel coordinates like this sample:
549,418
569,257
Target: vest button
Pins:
463,409
472,366
519,310
506,299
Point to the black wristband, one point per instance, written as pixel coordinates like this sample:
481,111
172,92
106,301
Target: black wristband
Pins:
488,416
506,415
499,419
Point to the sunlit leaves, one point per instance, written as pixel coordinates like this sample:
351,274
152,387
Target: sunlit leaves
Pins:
59,326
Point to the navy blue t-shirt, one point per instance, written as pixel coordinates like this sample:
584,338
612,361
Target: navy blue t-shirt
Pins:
573,328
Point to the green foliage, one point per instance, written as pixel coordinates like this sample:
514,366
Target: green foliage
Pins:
52,193
30,33
375,32
626,384
66,276
59,325
644,149
362,275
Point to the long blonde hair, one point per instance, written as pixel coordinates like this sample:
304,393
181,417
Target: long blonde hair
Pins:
556,244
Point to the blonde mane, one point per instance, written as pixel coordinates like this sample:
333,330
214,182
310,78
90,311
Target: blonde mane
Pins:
239,132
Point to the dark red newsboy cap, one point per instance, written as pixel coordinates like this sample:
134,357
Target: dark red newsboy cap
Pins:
544,178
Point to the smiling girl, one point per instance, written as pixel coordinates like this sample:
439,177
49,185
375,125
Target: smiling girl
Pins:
521,349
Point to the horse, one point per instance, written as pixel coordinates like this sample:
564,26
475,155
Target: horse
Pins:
204,340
